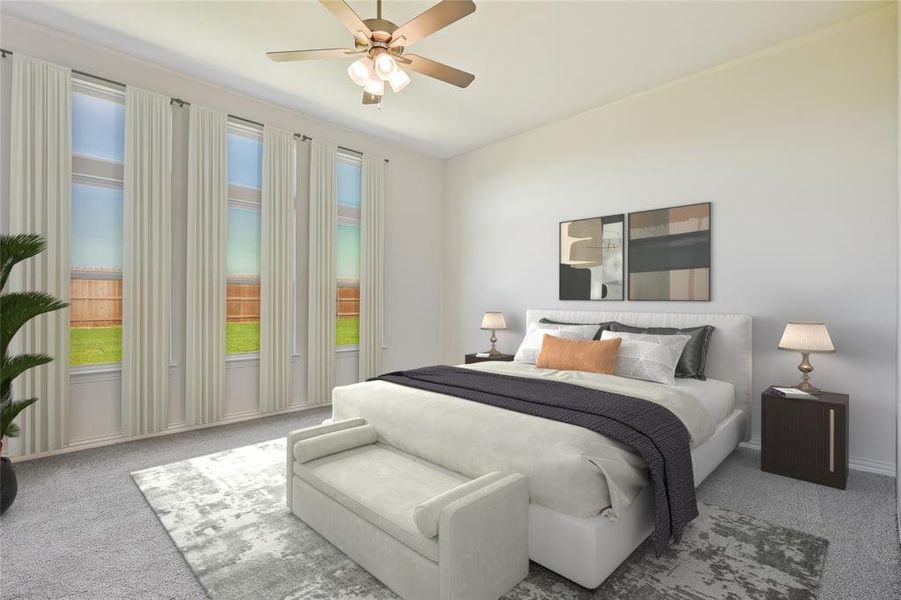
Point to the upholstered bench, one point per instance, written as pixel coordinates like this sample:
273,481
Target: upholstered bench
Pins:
425,532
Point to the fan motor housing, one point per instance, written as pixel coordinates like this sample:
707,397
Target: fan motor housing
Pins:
381,35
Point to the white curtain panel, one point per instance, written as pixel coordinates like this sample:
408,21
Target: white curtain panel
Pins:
372,257
207,245
40,183
276,264
146,262
321,314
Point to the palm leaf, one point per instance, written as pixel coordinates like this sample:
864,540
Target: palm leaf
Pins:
13,366
12,430
9,410
16,248
18,308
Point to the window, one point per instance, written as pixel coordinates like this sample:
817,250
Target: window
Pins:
348,250
245,176
98,152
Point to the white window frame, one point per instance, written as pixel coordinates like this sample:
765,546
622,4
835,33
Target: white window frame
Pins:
99,172
347,216
241,196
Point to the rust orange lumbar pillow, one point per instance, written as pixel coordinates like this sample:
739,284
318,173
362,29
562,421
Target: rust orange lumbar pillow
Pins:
595,356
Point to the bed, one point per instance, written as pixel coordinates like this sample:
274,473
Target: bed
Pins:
591,504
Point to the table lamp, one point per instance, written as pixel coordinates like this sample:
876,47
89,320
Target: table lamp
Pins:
493,321
806,337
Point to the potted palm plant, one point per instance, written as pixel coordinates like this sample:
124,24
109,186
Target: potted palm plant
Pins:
16,309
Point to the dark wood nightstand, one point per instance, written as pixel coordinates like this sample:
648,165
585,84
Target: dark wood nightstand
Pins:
472,358
806,438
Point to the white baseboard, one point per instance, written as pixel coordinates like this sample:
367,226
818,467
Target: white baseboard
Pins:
109,440
858,464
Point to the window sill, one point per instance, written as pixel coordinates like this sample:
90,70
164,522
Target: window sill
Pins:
114,370
352,349
95,373
105,372
86,370
246,358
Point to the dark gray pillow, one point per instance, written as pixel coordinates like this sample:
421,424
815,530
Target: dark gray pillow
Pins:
603,326
693,361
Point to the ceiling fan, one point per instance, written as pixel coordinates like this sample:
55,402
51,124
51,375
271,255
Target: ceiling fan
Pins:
380,46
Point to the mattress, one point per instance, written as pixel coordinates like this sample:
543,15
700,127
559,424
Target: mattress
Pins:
571,470
718,397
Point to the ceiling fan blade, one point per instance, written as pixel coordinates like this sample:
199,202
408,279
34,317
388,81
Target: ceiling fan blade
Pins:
438,17
293,55
351,21
439,70
371,98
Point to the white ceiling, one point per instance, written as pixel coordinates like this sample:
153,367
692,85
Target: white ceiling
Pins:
535,62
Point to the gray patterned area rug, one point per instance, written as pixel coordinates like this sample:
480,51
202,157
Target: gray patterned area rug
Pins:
226,513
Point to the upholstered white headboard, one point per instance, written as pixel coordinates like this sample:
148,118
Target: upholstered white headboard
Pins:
728,357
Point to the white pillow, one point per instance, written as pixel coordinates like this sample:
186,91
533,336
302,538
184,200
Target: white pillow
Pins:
648,356
531,344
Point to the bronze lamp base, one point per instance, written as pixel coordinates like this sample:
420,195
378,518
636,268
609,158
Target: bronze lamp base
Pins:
806,369
494,351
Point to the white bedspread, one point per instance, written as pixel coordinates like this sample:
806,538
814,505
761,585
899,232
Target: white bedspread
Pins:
570,469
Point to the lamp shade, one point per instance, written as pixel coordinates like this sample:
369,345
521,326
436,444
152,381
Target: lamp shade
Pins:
806,336
493,320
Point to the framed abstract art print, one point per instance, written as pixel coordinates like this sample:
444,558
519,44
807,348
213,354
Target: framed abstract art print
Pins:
591,258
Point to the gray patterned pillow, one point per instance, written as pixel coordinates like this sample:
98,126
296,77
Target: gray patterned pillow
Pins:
648,356
531,344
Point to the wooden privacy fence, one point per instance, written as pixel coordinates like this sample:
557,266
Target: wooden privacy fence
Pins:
95,302
98,302
242,302
348,301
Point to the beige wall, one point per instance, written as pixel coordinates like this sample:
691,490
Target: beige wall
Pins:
412,254
796,147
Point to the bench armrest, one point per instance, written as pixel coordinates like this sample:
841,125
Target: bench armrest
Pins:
334,442
307,433
483,540
427,514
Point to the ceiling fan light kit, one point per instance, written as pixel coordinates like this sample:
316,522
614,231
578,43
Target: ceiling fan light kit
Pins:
399,81
382,45
385,66
374,86
360,70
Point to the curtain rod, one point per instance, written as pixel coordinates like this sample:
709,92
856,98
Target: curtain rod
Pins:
4,53
302,137
182,103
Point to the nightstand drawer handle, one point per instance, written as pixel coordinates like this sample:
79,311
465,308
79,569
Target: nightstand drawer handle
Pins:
831,440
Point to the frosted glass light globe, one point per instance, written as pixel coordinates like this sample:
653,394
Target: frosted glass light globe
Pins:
399,80
385,66
374,86
360,70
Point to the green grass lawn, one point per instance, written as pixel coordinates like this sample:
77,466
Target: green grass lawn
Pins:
348,331
242,337
95,345
101,345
